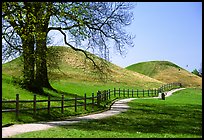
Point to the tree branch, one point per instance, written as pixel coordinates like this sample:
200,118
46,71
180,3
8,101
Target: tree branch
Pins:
76,49
14,47
60,28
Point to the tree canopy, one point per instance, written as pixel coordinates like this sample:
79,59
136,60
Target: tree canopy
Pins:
25,28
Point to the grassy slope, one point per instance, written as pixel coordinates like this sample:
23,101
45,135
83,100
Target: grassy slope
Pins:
75,75
167,72
179,116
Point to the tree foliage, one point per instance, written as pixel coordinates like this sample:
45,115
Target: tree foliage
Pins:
195,71
25,28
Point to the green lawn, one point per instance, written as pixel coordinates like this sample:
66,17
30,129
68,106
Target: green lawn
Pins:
179,116
66,87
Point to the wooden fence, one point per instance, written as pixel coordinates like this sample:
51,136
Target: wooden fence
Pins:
94,100
169,86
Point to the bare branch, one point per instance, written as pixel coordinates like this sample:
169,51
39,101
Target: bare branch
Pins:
77,49
60,28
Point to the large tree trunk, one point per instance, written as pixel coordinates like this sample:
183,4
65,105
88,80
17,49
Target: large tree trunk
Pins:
42,14
41,52
41,62
28,57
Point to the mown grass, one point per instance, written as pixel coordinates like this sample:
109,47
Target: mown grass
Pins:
66,87
179,116
10,90
27,117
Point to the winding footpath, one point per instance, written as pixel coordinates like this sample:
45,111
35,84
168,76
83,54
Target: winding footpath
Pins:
117,107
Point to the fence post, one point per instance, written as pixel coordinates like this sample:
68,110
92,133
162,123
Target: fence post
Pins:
114,92
17,106
85,101
48,104
119,92
92,101
98,98
132,92
75,103
128,92
137,92
152,92
34,105
62,109
123,92
109,93
101,97
148,92
143,92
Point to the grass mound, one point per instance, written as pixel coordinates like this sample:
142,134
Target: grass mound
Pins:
167,72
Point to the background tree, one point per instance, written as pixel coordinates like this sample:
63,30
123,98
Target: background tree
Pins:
95,23
200,70
195,71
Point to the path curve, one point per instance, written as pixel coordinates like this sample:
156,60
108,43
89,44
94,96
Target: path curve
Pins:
117,107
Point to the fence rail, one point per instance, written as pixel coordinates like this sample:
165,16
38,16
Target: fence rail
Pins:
94,100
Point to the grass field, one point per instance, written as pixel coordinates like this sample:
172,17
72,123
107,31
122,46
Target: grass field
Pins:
67,87
179,116
71,75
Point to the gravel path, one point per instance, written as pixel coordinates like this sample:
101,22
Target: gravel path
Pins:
118,107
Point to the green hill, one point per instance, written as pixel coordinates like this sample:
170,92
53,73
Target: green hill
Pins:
71,74
167,72
69,66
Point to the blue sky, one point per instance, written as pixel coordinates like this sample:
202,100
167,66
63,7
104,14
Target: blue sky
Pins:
170,31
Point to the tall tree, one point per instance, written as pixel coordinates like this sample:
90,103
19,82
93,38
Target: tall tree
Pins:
33,32
17,19
42,17
96,23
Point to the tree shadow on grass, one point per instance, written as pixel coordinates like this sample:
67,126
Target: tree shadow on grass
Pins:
172,120
46,92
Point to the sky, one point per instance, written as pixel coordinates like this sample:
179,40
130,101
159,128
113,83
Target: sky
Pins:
170,31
